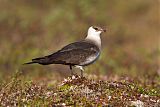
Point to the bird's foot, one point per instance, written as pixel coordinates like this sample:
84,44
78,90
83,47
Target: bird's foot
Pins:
81,68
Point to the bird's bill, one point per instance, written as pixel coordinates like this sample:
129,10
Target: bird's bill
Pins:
103,30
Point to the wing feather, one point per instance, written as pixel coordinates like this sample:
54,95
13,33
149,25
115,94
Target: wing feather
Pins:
74,53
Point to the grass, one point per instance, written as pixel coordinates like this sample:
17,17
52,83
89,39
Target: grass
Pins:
79,91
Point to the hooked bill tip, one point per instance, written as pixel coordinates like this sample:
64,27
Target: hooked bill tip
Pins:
104,30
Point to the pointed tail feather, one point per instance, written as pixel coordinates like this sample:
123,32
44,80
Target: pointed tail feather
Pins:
29,63
36,60
42,60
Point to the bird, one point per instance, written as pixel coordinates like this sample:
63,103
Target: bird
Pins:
77,54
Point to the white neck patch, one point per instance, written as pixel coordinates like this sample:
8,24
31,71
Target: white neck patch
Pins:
94,36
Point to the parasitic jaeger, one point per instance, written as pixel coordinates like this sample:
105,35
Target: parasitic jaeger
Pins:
77,54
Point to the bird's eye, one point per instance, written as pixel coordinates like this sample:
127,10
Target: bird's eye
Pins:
96,28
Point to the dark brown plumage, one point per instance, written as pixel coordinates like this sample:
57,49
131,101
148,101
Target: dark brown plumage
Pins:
72,54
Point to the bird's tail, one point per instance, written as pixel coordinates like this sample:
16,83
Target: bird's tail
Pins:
29,63
42,60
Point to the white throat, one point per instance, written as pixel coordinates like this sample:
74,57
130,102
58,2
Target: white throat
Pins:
94,37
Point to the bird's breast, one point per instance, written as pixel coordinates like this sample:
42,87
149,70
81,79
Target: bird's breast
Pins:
90,59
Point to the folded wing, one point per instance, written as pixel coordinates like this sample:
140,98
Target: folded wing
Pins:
78,53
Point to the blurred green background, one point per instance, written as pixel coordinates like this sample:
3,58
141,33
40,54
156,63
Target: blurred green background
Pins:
34,28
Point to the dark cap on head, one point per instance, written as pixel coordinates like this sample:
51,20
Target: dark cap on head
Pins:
99,28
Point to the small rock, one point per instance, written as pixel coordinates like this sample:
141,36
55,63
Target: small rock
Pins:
137,103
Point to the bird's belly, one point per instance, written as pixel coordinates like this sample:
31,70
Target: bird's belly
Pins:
89,60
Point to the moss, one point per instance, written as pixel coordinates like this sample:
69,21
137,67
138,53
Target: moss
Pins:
75,90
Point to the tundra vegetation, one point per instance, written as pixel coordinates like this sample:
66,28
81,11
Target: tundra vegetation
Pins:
126,74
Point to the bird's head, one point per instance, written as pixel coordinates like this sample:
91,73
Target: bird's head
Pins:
93,35
94,30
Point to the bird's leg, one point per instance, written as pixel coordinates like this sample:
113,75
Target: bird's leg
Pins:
70,66
82,72
81,68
